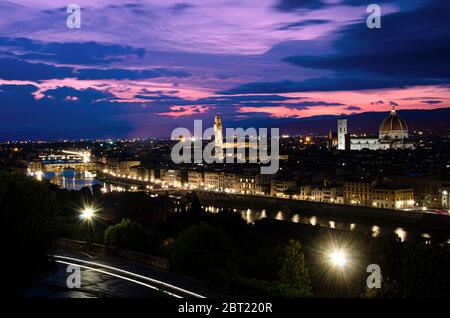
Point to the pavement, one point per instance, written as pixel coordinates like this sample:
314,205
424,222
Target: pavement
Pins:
111,277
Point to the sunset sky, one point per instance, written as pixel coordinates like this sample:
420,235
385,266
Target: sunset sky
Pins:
142,68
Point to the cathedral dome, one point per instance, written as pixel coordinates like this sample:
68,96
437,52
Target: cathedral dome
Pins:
393,127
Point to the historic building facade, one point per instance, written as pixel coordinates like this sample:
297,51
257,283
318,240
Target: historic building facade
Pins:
393,134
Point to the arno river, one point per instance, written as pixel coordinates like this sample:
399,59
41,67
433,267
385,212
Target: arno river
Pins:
75,182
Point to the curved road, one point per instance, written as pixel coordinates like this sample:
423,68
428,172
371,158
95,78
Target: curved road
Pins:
112,277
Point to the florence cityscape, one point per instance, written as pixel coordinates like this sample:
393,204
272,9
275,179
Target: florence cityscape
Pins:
255,150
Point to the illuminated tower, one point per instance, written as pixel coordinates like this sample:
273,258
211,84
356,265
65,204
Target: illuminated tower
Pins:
218,137
342,133
218,134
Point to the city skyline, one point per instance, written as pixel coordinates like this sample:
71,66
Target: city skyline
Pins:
141,69
225,150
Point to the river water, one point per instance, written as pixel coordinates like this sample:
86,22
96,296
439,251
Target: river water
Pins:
71,181
375,228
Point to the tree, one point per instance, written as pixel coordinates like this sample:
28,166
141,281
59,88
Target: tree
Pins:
97,190
28,211
131,235
202,247
411,269
195,204
293,267
389,289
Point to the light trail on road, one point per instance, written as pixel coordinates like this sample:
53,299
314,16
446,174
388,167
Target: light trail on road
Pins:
121,277
66,259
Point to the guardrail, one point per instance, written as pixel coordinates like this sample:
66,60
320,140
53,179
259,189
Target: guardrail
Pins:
93,248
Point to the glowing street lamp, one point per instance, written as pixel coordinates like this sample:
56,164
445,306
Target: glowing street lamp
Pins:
87,213
338,258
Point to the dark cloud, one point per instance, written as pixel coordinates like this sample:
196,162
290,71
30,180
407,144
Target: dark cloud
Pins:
378,102
132,74
379,2
218,100
84,53
432,101
302,24
411,48
180,7
84,96
290,5
13,69
353,108
391,103
156,92
91,114
410,45
7,91
325,84
300,105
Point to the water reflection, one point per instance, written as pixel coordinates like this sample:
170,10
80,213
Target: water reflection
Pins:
375,231
401,233
279,216
73,183
263,214
252,215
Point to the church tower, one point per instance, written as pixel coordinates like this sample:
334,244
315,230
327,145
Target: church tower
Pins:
218,138
342,134
218,134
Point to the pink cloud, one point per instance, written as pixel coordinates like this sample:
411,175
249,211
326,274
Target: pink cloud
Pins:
405,98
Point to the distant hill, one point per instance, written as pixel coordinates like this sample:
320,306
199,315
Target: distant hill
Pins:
436,120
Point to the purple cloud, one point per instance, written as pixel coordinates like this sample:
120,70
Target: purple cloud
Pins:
432,101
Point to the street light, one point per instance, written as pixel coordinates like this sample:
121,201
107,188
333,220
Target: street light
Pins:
338,258
87,213
88,216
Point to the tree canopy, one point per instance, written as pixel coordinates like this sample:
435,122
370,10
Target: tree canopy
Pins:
28,218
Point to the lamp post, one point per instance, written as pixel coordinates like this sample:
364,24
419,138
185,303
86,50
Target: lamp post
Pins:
340,268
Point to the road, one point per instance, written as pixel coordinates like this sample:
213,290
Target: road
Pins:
110,277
